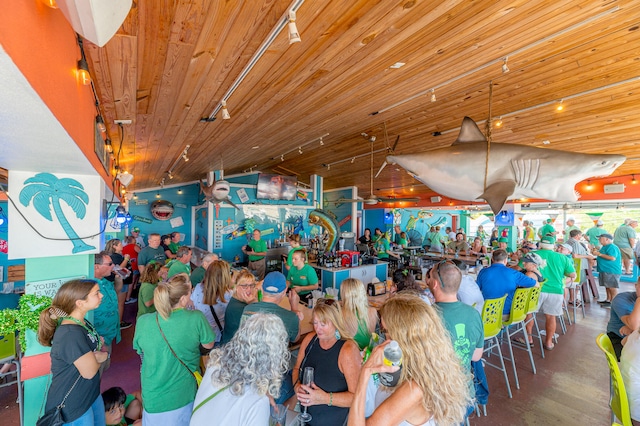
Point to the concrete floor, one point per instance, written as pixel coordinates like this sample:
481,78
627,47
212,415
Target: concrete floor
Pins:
571,386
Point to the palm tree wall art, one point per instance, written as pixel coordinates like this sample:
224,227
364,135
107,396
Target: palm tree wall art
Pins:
46,192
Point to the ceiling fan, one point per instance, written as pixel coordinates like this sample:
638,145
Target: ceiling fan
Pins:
372,199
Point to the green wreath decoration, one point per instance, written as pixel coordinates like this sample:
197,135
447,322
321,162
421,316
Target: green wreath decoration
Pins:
27,316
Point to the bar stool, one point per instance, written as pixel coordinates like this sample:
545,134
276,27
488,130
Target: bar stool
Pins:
492,323
516,319
575,289
532,309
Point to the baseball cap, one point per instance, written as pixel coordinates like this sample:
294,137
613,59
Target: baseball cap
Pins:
609,236
547,240
568,247
599,223
532,258
135,229
274,283
503,240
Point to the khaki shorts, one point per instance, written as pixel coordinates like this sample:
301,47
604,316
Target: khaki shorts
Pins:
550,303
627,253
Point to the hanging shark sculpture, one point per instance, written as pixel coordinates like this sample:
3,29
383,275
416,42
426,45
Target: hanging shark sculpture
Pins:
514,171
217,193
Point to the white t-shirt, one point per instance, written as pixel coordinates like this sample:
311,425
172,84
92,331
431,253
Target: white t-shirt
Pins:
469,293
197,295
226,409
630,369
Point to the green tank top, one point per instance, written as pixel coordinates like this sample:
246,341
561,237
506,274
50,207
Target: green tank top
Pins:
362,337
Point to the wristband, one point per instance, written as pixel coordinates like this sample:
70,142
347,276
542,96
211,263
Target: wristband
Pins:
330,399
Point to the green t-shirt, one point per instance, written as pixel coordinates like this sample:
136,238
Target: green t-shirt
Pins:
166,384
232,316
290,256
178,267
610,266
465,328
174,247
382,246
259,246
197,276
593,234
548,229
290,319
144,295
302,277
622,235
558,267
148,254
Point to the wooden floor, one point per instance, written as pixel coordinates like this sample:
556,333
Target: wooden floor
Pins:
571,386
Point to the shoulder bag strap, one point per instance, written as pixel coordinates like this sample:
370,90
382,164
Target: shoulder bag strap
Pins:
209,398
65,397
171,349
215,317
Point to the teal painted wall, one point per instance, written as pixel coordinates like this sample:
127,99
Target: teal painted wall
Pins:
39,269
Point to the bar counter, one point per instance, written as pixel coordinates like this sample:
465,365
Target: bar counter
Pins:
333,277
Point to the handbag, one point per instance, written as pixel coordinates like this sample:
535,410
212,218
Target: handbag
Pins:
54,416
215,317
195,374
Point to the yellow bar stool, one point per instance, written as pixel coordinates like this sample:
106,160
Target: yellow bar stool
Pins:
492,323
619,402
532,309
515,324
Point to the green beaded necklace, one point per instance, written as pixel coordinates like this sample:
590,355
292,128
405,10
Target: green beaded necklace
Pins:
90,329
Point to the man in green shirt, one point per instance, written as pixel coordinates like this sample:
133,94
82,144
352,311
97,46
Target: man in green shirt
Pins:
182,263
257,252
174,245
625,238
571,225
547,230
594,233
197,276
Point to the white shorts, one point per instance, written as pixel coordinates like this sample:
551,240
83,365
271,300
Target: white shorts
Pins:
178,417
550,303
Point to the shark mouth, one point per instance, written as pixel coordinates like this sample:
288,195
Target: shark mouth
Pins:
162,210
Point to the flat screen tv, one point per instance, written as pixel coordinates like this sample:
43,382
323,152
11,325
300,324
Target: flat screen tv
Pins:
276,187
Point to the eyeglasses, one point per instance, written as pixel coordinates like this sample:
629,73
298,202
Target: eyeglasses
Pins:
246,286
437,268
108,264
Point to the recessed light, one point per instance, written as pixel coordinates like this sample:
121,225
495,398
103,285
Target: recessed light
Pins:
546,142
397,65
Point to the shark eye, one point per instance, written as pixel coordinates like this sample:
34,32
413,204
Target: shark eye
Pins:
604,163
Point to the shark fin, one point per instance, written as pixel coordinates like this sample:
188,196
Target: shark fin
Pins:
497,194
469,132
228,200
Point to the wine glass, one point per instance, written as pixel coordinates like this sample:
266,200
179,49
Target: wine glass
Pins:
307,379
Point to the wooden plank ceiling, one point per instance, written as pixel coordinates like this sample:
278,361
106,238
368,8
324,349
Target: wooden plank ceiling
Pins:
172,62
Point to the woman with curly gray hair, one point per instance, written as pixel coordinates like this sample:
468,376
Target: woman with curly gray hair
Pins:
243,374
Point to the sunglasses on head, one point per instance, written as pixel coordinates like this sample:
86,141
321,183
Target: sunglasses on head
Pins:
437,268
328,302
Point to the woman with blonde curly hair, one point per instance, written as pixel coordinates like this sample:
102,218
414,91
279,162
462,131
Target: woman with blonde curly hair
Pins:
242,375
433,386
76,353
336,360
212,295
170,342
360,319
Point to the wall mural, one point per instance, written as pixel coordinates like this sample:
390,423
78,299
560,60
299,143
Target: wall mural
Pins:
513,171
64,200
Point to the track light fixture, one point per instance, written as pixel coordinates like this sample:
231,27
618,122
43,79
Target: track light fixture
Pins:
433,95
294,35
505,67
353,160
184,157
321,141
83,72
225,111
282,157
560,105
299,150
498,122
170,174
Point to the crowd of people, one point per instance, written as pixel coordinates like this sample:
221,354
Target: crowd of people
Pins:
215,344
